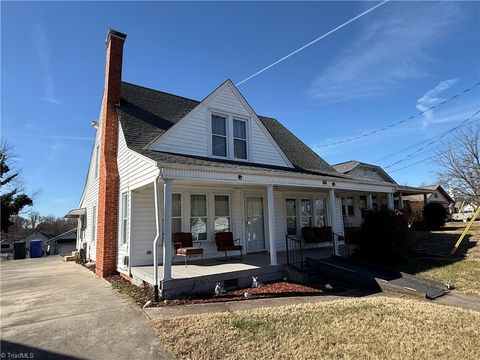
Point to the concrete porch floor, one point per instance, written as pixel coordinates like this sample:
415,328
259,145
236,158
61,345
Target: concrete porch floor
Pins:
250,265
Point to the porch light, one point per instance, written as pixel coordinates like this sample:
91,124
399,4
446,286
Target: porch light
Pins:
333,184
94,124
240,177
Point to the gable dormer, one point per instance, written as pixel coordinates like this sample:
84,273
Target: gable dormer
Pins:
223,126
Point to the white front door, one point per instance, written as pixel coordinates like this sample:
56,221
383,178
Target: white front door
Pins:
255,228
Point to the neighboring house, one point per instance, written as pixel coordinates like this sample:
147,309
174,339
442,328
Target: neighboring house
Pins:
163,163
6,249
37,235
63,244
353,205
438,195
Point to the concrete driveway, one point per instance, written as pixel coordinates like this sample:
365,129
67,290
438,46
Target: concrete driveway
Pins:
56,310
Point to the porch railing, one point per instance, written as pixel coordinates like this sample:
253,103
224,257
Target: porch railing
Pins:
294,251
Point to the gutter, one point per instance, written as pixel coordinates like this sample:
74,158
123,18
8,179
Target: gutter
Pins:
157,237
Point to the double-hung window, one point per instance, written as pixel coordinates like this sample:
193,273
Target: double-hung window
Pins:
320,215
306,212
222,213
124,215
239,139
291,214
198,216
219,136
176,213
94,223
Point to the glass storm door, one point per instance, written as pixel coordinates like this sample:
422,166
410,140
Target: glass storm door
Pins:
255,224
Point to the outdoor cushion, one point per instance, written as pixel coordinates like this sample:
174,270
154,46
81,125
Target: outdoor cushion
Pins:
189,251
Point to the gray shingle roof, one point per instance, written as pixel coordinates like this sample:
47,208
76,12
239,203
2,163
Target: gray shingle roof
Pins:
146,114
346,166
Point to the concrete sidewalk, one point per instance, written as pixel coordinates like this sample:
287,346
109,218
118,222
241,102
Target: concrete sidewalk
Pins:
58,310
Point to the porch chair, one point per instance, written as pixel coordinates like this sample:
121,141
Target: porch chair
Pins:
183,245
225,242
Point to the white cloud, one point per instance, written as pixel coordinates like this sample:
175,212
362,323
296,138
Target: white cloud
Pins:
42,45
430,98
390,48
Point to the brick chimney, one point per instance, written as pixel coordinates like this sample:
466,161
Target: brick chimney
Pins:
107,206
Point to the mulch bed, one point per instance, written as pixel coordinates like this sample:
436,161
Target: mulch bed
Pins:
272,290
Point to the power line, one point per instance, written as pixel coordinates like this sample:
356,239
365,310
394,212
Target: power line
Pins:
312,42
392,125
433,141
421,161
417,144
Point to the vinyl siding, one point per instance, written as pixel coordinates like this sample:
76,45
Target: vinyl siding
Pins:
90,198
191,135
134,171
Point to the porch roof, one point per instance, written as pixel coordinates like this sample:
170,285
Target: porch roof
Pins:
410,190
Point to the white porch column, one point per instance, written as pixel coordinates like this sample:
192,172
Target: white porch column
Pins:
401,206
369,202
271,225
332,206
390,201
167,230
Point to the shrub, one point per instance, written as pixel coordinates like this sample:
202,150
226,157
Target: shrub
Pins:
382,237
434,216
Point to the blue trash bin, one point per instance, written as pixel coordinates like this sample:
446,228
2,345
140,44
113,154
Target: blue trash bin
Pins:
35,248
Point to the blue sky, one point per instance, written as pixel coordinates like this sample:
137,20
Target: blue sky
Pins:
388,65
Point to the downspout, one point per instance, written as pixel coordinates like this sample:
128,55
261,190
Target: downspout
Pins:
157,237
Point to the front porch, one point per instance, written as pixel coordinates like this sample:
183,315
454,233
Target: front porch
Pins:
201,276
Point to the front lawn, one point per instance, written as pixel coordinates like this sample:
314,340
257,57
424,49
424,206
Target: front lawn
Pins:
462,271
377,327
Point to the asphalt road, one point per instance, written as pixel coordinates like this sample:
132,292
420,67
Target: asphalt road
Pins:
56,310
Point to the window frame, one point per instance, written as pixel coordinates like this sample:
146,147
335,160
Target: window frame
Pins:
181,211
313,218
214,215
94,224
291,216
207,213
230,139
123,218
226,136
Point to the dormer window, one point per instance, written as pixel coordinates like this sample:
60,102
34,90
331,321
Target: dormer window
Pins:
239,139
219,136
229,136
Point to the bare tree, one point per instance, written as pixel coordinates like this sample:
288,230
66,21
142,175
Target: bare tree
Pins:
459,164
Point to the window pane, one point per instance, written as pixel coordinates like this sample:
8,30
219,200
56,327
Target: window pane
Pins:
306,207
219,125
124,205
221,205
319,205
124,232
198,205
291,207
198,228
239,129
176,205
291,225
176,225
240,149
219,145
222,224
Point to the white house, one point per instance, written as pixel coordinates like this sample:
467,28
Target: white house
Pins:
162,163
354,204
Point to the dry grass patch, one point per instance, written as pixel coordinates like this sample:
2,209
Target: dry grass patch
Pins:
374,328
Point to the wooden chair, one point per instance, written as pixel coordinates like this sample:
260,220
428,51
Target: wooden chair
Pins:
183,245
225,242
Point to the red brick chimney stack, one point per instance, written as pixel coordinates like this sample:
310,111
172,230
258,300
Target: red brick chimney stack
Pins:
108,178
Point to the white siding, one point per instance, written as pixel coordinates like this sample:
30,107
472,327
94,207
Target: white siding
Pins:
143,228
90,198
368,173
280,221
134,171
191,135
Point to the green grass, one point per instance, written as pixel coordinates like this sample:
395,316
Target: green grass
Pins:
359,328
464,275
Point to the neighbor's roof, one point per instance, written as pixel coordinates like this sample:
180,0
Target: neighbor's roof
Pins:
347,166
145,114
70,234
438,187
